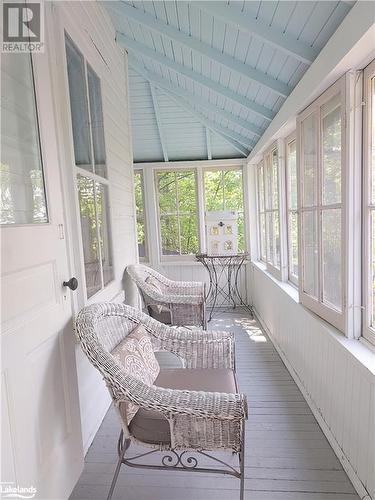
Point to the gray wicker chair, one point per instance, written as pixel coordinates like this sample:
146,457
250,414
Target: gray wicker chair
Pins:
202,411
177,303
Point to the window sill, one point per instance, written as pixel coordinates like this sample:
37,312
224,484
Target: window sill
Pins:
360,349
288,288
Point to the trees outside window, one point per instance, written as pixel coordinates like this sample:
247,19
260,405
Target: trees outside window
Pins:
178,214
140,215
223,190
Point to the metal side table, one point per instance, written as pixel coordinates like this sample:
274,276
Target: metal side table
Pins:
224,274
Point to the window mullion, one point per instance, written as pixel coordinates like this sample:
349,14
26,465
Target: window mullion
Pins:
201,210
178,213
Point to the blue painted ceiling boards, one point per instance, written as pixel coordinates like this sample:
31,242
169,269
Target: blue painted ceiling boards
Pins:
206,78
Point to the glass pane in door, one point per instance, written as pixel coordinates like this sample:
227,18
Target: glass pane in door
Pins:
23,197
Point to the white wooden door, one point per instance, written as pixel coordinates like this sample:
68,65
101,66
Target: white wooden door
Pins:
41,431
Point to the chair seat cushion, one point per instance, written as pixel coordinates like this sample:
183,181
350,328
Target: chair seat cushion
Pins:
137,357
151,426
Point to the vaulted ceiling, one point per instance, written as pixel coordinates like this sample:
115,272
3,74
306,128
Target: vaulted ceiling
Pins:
207,77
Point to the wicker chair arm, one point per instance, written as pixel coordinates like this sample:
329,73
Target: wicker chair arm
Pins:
172,402
200,349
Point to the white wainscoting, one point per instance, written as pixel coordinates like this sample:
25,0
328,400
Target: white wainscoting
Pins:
335,374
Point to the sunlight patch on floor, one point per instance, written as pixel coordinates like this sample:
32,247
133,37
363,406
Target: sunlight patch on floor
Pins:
251,327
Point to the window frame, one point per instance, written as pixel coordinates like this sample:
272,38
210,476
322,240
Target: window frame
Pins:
278,146
292,278
262,252
368,207
238,168
332,316
139,171
180,257
80,170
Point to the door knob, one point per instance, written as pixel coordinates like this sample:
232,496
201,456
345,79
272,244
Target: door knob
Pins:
72,283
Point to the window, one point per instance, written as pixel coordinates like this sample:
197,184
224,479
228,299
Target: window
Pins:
23,198
369,198
292,213
178,214
140,214
223,190
321,185
261,213
268,180
89,154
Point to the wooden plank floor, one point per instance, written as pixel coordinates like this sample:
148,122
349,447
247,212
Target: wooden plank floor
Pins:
287,455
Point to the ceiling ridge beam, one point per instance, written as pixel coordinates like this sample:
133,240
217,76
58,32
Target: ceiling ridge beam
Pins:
133,45
269,34
203,103
160,27
236,140
158,121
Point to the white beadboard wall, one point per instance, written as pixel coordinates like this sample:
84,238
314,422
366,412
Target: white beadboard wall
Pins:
91,29
336,375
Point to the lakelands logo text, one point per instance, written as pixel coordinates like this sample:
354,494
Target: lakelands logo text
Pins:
13,490
23,27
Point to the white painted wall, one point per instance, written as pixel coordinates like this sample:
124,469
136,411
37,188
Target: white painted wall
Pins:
335,374
89,26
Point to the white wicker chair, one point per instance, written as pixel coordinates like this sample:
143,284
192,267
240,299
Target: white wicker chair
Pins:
181,303
193,420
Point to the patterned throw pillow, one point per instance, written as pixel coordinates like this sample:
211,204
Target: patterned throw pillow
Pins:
136,355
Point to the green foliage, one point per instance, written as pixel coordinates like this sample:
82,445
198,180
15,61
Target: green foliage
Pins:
139,206
223,190
178,212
